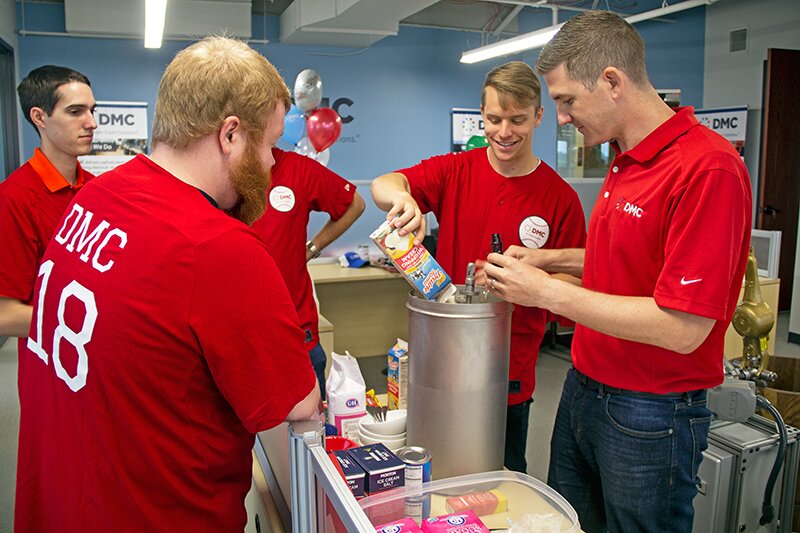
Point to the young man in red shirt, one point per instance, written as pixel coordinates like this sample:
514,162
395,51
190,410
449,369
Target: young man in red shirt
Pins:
301,185
661,273
59,104
503,188
163,335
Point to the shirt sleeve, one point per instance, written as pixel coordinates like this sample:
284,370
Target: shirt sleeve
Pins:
18,248
427,180
328,191
707,222
248,329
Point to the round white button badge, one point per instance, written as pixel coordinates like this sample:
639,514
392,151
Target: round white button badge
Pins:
281,198
534,231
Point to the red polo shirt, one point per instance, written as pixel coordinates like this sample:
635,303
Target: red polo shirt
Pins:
672,222
471,201
32,200
299,186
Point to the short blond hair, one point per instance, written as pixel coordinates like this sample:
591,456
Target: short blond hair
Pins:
210,80
590,42
515,83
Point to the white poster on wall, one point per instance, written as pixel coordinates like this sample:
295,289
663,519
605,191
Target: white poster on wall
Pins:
730,122
121,134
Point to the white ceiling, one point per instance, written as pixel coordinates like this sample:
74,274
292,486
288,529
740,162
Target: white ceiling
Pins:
350,23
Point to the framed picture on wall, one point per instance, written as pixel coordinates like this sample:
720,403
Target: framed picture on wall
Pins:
466,124
121,134
730,122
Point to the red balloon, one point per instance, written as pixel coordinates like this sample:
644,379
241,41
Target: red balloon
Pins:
323,126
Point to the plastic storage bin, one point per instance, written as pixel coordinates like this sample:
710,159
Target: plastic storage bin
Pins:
527,500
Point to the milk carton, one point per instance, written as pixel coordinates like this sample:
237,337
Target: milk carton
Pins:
397,375
414,261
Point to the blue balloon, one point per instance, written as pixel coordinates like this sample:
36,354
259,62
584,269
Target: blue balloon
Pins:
294,126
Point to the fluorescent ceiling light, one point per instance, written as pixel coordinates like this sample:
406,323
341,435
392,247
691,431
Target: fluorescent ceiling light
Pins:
528,41
539,38
155,12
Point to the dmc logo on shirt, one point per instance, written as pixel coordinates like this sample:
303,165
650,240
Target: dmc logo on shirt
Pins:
629,208
534,231
282,198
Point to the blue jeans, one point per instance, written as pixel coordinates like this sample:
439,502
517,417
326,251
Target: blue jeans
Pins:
628,463
517,436
318,361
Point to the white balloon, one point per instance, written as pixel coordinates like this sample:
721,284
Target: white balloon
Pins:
307,91
304,147
323,157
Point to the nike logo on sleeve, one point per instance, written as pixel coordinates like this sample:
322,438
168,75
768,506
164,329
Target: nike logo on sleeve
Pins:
685,281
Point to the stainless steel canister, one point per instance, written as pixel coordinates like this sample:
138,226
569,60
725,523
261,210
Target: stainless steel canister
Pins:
458,383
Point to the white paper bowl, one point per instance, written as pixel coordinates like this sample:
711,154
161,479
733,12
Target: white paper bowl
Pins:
370,434
393,443
394,424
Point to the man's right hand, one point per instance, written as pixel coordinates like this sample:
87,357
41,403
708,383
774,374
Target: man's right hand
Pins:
406,215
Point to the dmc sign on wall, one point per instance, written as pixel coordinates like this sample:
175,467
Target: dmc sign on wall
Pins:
121,134
730,122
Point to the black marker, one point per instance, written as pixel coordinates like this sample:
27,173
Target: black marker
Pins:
497,244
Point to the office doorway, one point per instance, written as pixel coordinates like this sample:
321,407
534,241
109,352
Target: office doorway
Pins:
9,139
779,190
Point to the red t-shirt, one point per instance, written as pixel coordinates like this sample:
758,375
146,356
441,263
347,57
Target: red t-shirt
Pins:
32,200
471,201
672,221
163,338
300,185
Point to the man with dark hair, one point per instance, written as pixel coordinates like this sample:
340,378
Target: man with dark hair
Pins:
58,102
502,188
661,274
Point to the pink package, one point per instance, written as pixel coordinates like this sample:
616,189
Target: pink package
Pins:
465,522
406,525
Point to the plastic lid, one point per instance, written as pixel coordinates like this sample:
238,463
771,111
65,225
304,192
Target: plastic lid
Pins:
526,501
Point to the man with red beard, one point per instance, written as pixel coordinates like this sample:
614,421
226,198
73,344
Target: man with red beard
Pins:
163,335
503,188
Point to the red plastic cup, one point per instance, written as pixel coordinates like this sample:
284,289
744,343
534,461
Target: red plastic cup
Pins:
336,443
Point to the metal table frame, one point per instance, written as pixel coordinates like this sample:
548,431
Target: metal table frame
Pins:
313,477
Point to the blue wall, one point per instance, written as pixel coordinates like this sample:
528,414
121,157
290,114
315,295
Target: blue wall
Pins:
402,87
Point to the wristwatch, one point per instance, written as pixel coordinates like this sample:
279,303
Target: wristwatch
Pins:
311,247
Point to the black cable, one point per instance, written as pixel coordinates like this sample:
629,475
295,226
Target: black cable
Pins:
767,508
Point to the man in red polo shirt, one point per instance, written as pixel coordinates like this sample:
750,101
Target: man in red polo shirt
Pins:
58,102
163,335
661,273
301,185
503,188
